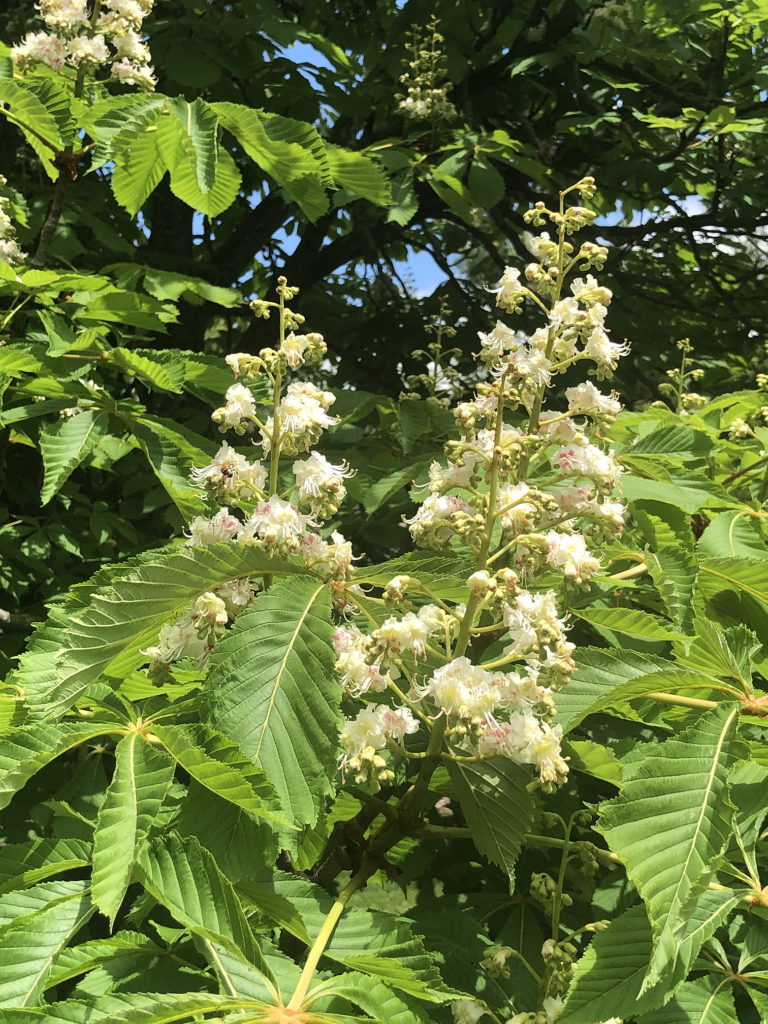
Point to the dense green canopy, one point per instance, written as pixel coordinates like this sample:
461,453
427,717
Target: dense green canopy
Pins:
661,100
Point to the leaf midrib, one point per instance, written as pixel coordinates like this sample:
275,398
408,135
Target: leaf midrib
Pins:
283,662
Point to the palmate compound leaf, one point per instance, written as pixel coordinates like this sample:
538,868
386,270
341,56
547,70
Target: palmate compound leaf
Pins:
142,778
131,1008
183,876
497,806
272,690
377,944
104,624
375,998
672,820
609,976
37,924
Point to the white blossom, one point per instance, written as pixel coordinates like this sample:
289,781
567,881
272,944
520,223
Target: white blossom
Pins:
303,416
229,470
373,725
317,479
588,291
221,527
500,340
178,640
40,46
240,405
467,1011
88,48
568,553
509,292
277,523
587,460
603,351
588,400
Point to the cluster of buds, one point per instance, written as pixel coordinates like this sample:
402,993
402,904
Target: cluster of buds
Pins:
110,33
675,390
543,890
10,251
425,78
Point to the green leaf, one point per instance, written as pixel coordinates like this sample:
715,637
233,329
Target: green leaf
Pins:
387,486
745,575
201,128
64,444
374,998
674,442
732,534
306,136
105,624
689,495
238,840
131,1008
23,864
272,689
181,158
38,125
606,678
497,806
726,653
283,160
375,943
143,775
162,371
360,174
172,454
630,621
138,171
485,183
609,976
672,820
61,337
220,767
30,748
445,575
707,1000
674,573
594,759
114,124
749,784
122,946
310,196
32,938
183,876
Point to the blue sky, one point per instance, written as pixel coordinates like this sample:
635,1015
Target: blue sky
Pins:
419,269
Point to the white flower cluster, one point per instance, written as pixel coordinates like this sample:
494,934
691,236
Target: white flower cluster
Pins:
10,251
283,524
194,634
525,535
112,35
